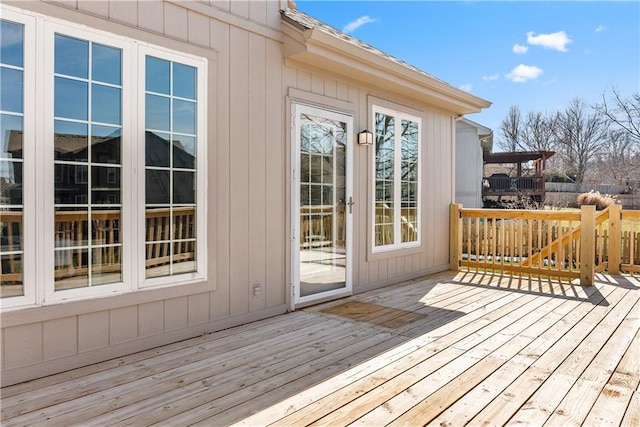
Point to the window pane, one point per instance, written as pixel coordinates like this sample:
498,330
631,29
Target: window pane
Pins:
10,136
105,104
71,227
106,64
105,144
11,284
11,90
11,43
71,99
171,147
184,223
71,187
157,187
71,56
70,141
184,187
157,149
157,113
184,81
71,269
11,230
105,226
158,75
106,265
184,152
10,183
105,185
184,116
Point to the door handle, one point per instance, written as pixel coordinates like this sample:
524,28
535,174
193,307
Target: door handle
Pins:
351,203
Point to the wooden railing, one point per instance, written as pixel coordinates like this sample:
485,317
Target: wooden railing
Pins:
72,231
564,244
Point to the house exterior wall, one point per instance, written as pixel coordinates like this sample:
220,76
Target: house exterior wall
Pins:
248,196
468,166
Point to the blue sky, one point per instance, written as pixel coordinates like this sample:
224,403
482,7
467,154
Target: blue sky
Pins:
538,55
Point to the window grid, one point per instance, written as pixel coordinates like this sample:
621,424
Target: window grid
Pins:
100,224
11,168
116,186
172,236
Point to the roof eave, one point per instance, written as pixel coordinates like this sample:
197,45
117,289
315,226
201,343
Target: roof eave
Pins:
322,50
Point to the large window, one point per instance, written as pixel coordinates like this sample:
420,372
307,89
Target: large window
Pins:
397,180
108,108
11,157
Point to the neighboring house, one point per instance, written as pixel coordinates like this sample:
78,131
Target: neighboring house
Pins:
171,168
471,139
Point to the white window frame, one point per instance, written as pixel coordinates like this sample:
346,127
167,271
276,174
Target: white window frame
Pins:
201,155
397,183
29,167
39,168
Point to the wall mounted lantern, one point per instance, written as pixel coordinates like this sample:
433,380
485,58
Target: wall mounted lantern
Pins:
365,138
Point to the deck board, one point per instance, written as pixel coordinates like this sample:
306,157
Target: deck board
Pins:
448,349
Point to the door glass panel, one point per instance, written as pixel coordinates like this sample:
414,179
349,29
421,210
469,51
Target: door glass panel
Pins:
322,219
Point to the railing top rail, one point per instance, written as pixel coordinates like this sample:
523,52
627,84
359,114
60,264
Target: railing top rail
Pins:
630,214
520,214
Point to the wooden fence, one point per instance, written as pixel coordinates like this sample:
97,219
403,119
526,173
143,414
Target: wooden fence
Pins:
563,244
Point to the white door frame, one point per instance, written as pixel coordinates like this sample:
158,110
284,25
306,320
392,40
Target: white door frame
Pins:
297,110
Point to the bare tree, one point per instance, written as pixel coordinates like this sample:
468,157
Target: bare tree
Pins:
582,133
510,130
618,162
624,113
538,132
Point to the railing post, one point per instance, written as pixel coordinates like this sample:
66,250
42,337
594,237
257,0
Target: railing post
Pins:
455,236
615,239
587,244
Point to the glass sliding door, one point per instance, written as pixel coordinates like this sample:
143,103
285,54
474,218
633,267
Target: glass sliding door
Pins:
322,203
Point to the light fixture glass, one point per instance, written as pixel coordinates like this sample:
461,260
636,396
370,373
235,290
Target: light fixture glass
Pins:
365,138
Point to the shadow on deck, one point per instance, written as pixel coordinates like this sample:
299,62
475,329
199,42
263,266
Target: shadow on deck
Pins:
449,348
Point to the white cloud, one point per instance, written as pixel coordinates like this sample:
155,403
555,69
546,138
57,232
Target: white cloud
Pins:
588,52
354,25
520,49
491,78
466,87
557,41
522,73
600,28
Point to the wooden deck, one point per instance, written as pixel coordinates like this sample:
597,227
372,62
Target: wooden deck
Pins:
448,349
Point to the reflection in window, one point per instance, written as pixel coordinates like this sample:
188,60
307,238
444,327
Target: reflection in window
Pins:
396,219
170,159
87,157
11,160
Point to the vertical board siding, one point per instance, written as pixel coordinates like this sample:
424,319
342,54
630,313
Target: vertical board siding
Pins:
151,15
23,345
175,313
240,8
258,11
257,171
176,21
239,183
97,7
60,338
198,29
122,11
275,204
150,318
220,300
93,331
122,324
198,306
